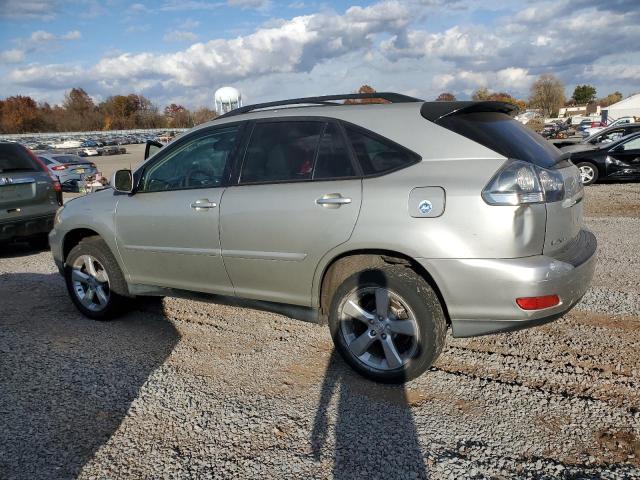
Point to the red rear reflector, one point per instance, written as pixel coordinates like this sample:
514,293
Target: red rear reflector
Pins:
58,167
538,303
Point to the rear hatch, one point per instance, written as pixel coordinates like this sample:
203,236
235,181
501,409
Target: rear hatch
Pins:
491,125
24,185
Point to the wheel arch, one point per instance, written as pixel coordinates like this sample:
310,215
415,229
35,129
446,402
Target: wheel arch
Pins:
74,237
599,169
345,264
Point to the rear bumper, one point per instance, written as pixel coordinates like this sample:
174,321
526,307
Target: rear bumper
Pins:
480,294
25,227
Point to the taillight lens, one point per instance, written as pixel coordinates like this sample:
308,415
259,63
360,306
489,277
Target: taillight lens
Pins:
538,303
518,183
56,182
58,167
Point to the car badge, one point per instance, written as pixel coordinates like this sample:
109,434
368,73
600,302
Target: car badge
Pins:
4,180
425,207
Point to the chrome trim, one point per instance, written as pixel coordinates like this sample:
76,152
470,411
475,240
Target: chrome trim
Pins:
255,255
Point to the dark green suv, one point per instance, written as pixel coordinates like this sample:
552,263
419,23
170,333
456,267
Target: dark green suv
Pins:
29,195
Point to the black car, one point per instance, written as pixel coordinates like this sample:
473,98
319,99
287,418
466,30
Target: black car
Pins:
618,160
608,135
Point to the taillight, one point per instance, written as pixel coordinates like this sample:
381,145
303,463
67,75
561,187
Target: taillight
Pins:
58,167
538,303
56,183
519,183
93,165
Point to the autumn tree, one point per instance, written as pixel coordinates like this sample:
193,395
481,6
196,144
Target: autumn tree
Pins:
484,94
481,93
80,112
19,114
610,99
584,94
365,89
203,115
446,97
547,94
177,116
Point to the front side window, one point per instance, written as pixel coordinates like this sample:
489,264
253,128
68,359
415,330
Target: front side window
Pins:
632,144
200,162
377,156
281,152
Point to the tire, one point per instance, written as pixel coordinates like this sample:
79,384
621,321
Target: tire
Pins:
410,299
91,294
588,173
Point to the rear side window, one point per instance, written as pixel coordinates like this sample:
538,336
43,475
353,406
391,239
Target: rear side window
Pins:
69,159
281,152
333,159
504,135
377,155
15,158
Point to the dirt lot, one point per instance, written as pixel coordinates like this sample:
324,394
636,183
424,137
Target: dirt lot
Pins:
197,390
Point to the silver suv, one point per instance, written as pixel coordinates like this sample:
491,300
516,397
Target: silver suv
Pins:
390,222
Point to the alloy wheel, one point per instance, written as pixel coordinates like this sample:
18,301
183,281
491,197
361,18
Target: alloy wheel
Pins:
379,328
90,283
586,173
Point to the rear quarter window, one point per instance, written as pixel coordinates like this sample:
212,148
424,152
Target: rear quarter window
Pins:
504,135
15,158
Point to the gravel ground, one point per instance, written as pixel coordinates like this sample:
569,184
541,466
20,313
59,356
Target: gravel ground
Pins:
196,390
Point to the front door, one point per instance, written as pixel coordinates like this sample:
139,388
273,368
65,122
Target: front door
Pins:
628,153
168,231
298,197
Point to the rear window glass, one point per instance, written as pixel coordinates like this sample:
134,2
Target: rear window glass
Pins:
14,158
68,159
503,135
377,155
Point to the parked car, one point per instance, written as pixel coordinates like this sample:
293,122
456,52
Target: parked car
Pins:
29,195
608,135
112,150
618,160
388,222
598,128
588,123
68,167
88,152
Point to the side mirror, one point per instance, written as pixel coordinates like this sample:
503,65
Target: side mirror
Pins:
122,181
151,148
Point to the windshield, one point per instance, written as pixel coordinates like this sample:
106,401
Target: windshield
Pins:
14,158
68,159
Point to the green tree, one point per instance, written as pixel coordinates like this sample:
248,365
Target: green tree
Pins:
547,94
584,94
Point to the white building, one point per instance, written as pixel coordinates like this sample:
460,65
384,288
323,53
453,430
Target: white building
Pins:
227,99
629,107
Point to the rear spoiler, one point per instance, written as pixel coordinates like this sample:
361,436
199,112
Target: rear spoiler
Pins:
434,111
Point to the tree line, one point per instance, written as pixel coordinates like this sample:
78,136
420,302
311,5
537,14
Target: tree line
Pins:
78,112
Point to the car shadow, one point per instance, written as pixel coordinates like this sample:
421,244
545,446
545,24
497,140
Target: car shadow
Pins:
20,249
67,382
374,430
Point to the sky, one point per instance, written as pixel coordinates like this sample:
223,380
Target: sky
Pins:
181,51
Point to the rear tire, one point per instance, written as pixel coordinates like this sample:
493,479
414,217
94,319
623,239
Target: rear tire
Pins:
588,173
94,280
387,323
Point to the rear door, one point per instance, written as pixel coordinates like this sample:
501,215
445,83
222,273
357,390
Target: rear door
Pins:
26,190
298,196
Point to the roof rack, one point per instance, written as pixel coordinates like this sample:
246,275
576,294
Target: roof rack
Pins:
324,100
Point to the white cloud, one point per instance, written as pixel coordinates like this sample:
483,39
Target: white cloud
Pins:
29,9
11,56
256,4
180,36
42,36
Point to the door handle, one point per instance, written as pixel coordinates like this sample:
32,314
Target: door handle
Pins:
333,200
203,204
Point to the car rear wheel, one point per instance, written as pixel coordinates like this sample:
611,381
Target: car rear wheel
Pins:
588,173
94,280
387,323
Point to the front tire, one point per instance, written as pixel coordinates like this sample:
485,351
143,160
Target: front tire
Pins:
588,173
387,323
94,280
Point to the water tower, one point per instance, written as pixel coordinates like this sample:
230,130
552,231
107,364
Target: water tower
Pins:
226,99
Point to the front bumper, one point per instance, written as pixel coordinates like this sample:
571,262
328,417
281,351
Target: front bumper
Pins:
25,227
480,294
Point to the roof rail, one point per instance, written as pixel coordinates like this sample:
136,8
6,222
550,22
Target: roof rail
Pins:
324,100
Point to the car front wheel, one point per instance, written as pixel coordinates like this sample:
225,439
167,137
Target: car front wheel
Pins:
588,173
94,280
387,323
